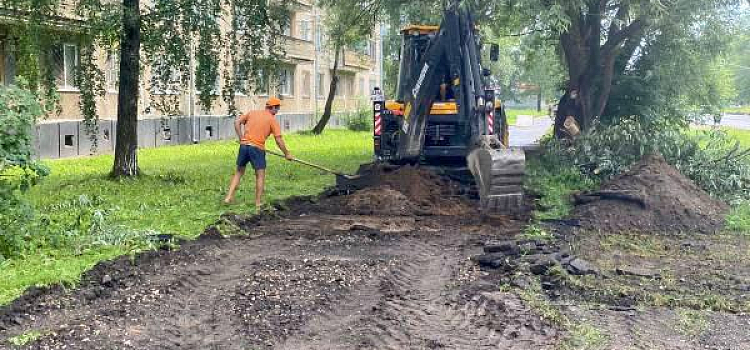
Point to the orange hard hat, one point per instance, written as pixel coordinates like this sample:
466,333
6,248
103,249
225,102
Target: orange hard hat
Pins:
273,102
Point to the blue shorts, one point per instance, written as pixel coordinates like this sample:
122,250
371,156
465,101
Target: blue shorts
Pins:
252,155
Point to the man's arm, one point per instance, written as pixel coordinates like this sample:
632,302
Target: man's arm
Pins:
282,146
238,126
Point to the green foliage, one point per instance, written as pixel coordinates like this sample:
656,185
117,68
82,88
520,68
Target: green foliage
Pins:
738,219
175,30
715,161
25,338
552,180
359,120
19,110
678,69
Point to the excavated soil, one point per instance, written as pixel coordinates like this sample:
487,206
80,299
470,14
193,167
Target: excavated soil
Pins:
667,202
427,192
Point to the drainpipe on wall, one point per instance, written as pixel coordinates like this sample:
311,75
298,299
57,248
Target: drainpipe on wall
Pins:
315,66
191,93
381,28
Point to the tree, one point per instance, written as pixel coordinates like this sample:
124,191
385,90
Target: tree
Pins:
739,61
599,38
126,155
168,30
346,25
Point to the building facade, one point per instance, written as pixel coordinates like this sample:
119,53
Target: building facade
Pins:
303,86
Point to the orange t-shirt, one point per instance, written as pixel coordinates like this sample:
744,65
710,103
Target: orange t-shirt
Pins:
258,126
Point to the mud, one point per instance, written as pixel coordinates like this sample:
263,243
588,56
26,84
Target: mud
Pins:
667,202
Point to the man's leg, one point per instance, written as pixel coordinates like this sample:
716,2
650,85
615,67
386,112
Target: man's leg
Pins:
234,184
260,179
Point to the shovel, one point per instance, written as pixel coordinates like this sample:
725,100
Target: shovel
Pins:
338,174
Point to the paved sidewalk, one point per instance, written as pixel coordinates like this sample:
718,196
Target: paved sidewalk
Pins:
528,136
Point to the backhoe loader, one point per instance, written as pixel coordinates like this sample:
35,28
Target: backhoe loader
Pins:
445,112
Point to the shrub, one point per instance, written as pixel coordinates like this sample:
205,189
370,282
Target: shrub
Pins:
360,120
19,110
712,159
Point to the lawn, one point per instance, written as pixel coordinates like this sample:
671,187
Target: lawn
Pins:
513,114
737,110
180,194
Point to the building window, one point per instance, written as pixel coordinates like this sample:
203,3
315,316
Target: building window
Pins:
8,73
65,64
241,83
261,83
112,70
286,80
286,29
362,85
339,86
305,32
173,83
320,85
319,37
372,48
306,84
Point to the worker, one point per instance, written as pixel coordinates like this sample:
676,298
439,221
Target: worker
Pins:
258,126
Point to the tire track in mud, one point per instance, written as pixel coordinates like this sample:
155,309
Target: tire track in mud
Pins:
200,313
412,306
416,310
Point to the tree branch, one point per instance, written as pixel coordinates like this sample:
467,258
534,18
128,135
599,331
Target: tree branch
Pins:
619,36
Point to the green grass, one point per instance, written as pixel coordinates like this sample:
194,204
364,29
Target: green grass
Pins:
554,187
180,193
513,114
742,135
738,219
737,110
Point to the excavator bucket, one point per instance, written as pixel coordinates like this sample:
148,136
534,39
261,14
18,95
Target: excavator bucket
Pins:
499,175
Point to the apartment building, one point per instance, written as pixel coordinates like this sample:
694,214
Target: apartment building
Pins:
302,85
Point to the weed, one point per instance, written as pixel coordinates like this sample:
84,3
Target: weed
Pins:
585,337
691,322
582,336
25,338
533,231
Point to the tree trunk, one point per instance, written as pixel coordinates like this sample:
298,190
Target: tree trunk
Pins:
539,100
592,66
318,129
126,146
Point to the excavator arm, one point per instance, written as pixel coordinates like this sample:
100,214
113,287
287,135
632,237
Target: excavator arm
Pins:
451,54
452,57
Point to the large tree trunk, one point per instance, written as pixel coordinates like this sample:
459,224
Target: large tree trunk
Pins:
126,147
318,129
591,64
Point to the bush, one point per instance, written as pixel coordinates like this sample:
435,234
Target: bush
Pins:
712,159
19,110
360,120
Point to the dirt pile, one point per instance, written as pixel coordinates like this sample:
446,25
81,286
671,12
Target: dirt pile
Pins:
652,196
407,190
379,201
